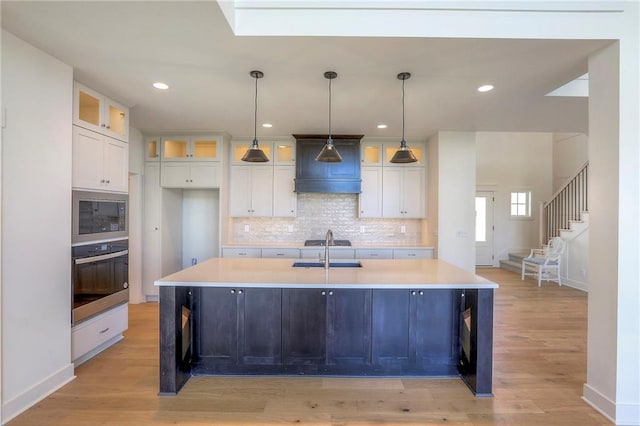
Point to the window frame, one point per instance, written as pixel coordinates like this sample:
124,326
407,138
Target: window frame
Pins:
528,204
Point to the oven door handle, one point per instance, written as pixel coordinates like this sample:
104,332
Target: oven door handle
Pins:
101,257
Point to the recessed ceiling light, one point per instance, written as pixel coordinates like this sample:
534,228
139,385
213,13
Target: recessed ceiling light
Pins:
161,86
267,125
382,126
485,88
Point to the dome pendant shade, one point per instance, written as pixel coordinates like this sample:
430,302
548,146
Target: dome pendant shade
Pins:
329,153
254,154
403,155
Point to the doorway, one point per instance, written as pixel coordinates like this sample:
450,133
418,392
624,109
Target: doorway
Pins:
484,229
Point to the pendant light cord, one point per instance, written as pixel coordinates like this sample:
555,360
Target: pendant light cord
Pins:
402,142
255,114
329,140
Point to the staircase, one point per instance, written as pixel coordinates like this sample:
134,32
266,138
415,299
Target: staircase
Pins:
514,263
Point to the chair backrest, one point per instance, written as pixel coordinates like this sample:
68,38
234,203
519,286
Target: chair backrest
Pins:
556,247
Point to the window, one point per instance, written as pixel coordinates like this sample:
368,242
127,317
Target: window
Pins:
521,204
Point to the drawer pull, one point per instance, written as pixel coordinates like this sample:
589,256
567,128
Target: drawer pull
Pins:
104,331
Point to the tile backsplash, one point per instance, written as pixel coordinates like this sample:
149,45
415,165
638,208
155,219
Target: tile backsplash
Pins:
318,212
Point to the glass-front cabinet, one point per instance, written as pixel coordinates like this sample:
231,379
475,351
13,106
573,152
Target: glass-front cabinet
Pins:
279,153
152,149
371,153
96,112
189,148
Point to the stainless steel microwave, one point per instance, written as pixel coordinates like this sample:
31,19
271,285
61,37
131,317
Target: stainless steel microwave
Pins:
99,217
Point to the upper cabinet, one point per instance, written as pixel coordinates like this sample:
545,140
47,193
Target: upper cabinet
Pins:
188,148
279,153
99,162
96,112
371,153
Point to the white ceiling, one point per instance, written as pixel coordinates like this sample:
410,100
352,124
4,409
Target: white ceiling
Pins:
121,48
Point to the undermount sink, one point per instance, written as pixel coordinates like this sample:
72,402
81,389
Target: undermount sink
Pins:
355,264
316,243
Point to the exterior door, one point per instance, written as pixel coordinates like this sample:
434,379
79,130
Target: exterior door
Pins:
484,229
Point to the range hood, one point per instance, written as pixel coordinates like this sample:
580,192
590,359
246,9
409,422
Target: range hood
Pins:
315,176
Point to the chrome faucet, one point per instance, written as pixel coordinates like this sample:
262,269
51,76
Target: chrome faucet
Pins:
328,240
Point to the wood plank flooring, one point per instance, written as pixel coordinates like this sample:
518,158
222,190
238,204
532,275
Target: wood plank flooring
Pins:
539,370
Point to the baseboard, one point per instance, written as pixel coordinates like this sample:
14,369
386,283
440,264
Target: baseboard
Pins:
575,284
36,393
152,298
619,414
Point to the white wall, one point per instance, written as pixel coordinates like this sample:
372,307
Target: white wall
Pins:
570,152
36,211
430,230
200,233
508,162
456,198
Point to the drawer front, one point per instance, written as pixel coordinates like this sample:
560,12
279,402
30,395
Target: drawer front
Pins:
96,331
413,253
241,252
335,253
374,253
280,253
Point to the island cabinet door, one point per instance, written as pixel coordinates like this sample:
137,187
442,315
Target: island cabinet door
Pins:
304,326
393,338
260,326
217,326
437,330
349,327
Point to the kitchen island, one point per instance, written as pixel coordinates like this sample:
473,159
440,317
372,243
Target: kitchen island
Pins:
423,318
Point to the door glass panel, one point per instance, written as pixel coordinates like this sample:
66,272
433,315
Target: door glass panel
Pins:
89,108
481,219
239,150
175,148
152,149
390,151
284,153
116,120
371,155
205,149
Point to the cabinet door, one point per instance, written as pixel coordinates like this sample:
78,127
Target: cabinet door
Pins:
152,149
174,175
87,108
392,192
204,175
87,159
115,120
262,191
284,153
413,192
303,326
240,191
204,148
260,326
371,195
437,323
175,148
116,165
392,341
285,200
349,327
217,332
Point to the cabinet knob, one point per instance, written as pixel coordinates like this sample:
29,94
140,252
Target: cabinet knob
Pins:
330,293
323,292
186,180
233,291
239,291
413,293
108,127
102,125
108,181
102,181
421,293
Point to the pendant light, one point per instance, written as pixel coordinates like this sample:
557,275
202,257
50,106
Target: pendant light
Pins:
329,154
403,154
254,154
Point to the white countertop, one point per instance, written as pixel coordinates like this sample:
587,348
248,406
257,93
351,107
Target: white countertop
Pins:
279,273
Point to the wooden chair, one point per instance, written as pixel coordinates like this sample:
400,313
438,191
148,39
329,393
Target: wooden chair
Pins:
545,263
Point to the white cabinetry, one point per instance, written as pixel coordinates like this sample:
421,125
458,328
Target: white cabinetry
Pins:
403,192
285,199
374,253
371,195
279,153
190,148
96,112
251,252
96,334
251,191
413,253
280,253
99,162
190,175
334,253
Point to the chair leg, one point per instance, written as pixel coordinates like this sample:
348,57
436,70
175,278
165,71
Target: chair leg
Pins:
523,266
539,276
559,278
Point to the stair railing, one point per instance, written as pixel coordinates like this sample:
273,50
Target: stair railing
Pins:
565,205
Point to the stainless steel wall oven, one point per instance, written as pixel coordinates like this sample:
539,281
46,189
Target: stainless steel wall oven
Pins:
100,278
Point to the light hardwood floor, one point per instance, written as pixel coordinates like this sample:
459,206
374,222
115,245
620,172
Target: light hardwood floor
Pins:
539,370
